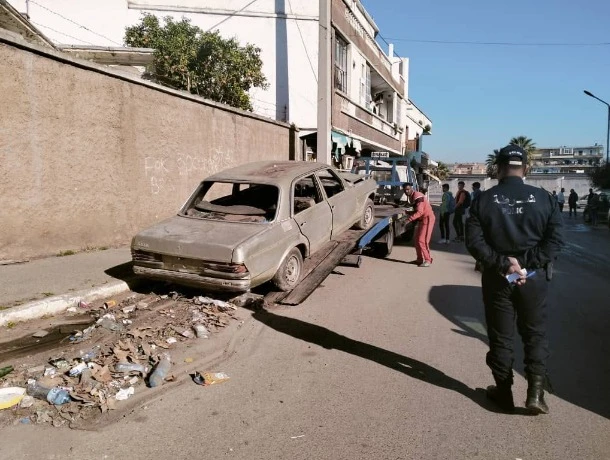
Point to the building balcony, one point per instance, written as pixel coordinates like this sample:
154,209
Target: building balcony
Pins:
355,110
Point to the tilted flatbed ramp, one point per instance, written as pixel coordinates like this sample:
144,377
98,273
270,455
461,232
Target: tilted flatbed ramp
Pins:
390,222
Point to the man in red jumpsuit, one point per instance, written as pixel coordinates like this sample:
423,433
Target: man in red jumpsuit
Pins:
424,216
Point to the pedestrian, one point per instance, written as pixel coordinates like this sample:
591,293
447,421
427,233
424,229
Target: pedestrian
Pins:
424,216
593,206
514,229
561,199
447,208
462,202
572,202
476,191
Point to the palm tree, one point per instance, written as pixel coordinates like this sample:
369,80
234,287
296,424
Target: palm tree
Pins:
526,144
492,164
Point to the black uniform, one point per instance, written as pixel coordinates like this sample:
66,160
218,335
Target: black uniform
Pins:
521,221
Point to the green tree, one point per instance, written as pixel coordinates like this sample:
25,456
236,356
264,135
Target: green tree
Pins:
491,164
202,63
441,171
600,176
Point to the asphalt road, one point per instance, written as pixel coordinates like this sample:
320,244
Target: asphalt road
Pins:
386,361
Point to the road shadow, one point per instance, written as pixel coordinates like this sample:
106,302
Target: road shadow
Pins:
578,366
330,340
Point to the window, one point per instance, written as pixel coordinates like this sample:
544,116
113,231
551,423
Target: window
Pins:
305,194
341,64
331,183
365,87
234,202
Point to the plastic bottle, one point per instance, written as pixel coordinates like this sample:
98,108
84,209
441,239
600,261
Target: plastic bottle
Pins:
161,370
130,367
55,396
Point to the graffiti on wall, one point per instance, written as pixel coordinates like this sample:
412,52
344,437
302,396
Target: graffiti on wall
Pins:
162,172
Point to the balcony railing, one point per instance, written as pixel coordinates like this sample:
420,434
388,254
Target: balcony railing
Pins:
366,116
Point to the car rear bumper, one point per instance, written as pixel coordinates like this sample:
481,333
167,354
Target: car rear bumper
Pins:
194,280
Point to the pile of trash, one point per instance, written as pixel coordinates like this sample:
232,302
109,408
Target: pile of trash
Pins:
127,347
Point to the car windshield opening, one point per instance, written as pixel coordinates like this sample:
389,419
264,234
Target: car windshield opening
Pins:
234,202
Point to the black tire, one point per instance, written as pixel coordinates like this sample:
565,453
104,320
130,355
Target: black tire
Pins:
384,248
289,273
368,216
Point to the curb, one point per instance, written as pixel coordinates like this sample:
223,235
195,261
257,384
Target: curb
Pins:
57,304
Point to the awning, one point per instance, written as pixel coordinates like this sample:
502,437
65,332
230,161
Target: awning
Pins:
340,139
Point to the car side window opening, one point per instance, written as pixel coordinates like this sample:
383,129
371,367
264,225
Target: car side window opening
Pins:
236,202
306,194
331,183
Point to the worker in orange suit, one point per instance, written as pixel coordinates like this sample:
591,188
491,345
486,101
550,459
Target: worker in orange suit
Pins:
424,216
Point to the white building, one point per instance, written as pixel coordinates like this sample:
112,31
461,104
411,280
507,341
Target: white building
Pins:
371,106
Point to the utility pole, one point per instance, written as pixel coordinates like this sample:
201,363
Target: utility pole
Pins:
324,145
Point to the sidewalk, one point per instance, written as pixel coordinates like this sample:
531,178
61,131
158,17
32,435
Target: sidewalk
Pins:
26,283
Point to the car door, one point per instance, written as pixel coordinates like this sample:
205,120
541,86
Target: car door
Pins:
342,201
311,212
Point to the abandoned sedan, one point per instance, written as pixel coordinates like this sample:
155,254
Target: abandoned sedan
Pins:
254,223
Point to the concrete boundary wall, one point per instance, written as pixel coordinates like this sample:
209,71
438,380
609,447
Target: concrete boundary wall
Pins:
89,155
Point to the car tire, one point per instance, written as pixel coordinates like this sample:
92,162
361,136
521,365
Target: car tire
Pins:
368,216
289,274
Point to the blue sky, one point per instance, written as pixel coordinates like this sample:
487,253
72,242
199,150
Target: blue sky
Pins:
478,97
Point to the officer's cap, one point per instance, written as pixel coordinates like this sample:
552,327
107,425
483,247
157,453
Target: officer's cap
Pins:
512,155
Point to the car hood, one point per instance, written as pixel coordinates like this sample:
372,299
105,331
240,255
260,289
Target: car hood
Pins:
196,238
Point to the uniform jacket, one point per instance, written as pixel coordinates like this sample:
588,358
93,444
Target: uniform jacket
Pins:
422,206
514,219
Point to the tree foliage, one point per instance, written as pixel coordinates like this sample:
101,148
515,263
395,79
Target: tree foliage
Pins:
600,176
491,165
524,142
441,171
202,63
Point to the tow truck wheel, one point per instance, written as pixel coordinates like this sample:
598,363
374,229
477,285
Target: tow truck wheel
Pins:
289,273
368,216
384,248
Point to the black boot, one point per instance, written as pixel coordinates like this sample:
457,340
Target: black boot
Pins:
502,395
535,403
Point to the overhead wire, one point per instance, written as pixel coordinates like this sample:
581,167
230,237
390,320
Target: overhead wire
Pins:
75,23
62,33
486,43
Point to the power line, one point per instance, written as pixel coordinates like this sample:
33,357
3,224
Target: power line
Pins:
231,15
460,42
75,23
61,33
304,45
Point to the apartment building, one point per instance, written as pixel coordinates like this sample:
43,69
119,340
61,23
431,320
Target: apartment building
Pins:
565,160
371,108
469,169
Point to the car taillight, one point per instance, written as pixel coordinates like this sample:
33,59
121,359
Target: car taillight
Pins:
225,268
145,256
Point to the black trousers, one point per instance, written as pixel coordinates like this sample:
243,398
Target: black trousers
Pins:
528,305
458,222
444,226
572,209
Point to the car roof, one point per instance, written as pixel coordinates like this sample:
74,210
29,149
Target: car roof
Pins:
281,173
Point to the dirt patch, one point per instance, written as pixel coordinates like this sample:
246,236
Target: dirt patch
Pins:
107,356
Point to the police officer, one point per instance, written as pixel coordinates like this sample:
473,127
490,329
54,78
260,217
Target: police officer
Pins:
514,228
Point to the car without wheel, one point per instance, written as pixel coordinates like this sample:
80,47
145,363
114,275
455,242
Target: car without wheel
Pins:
252,224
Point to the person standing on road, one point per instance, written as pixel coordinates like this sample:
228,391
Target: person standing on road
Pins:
561,199
447,208
515,228
572,202
424,216
476,192
462,202
593,205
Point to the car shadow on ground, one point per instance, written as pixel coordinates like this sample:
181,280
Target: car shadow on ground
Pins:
413,368
575,377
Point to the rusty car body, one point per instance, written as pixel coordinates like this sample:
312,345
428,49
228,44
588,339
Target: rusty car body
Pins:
254,223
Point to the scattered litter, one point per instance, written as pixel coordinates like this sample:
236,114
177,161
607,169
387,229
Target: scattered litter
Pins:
134,380
142,305
161,370
201,331
6,370
130,367
188,334
36,370
25,420
77,370
60,363
297,437
26,401
210,378
40,334
83,304
124,393
50,372
129,309
71,310
188,360
171,340
11,396
110,304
